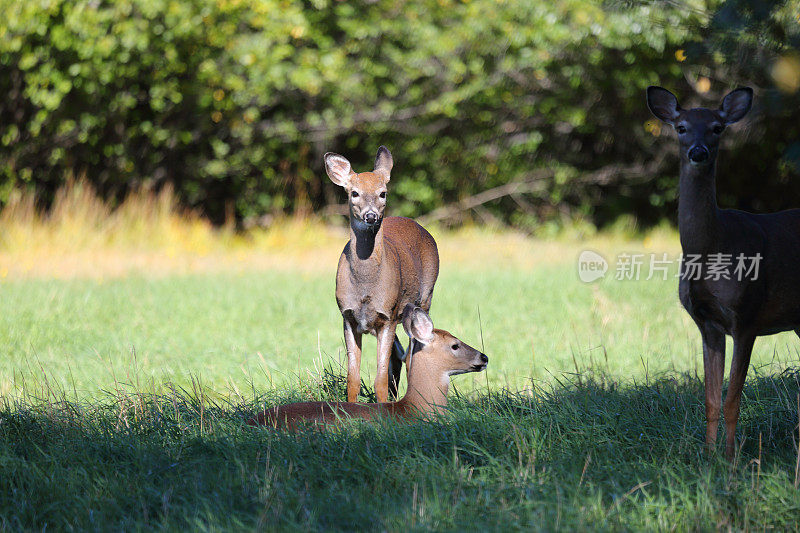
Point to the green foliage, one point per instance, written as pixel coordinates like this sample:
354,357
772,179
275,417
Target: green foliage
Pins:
750,42
235,101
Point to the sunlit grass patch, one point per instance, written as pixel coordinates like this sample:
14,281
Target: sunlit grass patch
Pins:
87,291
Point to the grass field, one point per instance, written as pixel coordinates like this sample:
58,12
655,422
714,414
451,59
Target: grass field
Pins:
236,323
128,364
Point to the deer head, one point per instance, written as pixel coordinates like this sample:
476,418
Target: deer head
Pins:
699,129
438,350
366,191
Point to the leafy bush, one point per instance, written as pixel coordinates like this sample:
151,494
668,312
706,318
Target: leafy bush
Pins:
233,102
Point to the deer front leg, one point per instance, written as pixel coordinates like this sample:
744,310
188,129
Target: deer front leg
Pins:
385,342
742,348
352,341
713,370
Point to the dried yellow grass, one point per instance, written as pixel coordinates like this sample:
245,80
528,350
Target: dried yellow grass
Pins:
148,234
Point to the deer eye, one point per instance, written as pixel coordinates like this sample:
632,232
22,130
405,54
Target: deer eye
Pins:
382,194
354,194
718,129
454,347
681,129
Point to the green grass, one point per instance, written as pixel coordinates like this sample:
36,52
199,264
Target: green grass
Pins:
123,403
266,328
572,456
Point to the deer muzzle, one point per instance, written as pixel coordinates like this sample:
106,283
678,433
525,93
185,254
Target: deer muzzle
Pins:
698,154
484,362
371,217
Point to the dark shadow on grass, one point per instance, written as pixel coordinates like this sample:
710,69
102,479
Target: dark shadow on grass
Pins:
183,458
652,418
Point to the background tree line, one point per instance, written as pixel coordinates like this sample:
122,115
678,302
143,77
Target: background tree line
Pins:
505,110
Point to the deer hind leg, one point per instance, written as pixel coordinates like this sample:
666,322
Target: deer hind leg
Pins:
713,370
742,348
352,341
395,367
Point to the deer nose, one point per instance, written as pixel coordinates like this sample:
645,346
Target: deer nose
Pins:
484,359
698,154
371,217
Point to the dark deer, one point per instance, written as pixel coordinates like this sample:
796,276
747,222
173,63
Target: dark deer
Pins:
765,301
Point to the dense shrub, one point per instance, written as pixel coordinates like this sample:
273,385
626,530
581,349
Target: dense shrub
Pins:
235,101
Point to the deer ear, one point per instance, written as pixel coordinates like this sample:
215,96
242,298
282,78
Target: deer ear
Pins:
383,163
736,104
418,324
663,104
338,169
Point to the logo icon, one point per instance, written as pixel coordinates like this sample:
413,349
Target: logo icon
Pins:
591,266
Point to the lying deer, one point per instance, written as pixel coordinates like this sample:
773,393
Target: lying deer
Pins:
433,356
766,299
388,263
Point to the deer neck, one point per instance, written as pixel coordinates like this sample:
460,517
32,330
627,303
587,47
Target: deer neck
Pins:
366,245
427,387
698,214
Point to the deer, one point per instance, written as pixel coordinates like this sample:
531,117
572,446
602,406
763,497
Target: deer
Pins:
433,356
766,301
388,263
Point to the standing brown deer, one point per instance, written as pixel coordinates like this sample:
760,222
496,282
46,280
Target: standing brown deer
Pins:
764,302
433,356
387,264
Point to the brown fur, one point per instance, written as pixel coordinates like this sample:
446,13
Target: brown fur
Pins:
428,373
384,267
